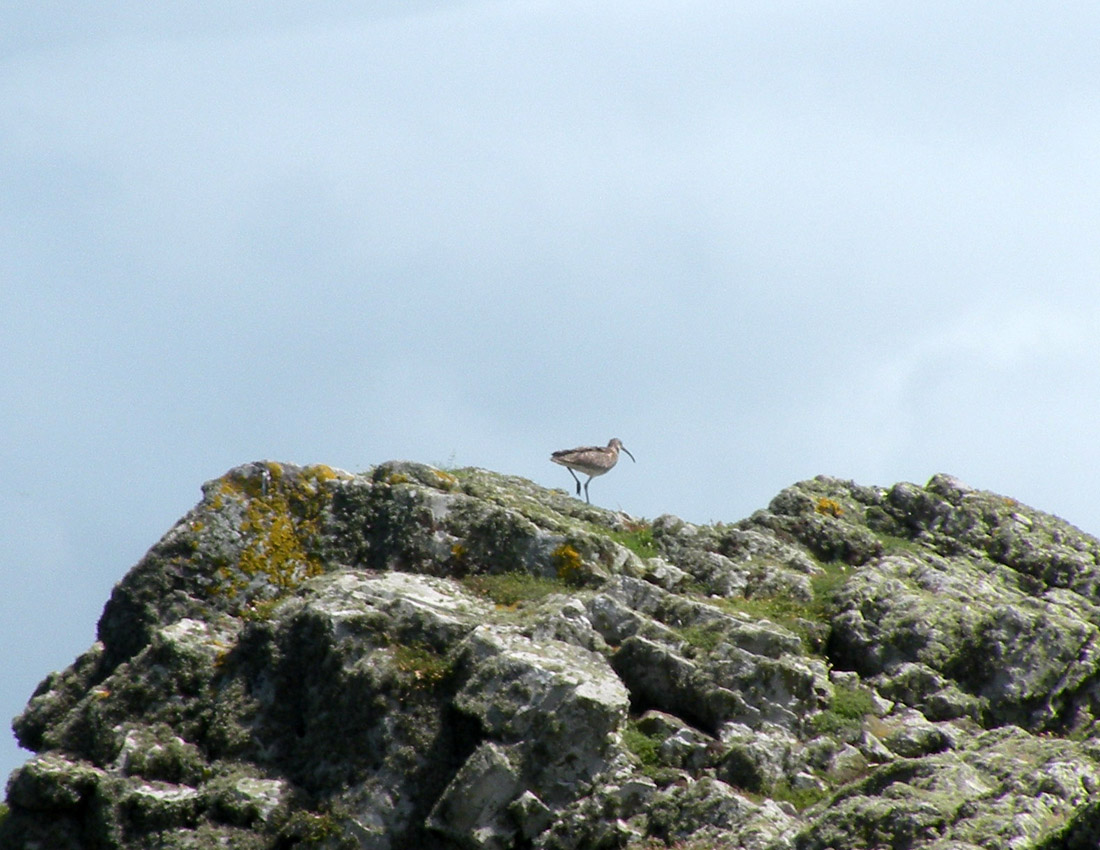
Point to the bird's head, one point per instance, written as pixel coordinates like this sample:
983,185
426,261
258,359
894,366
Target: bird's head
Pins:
616,443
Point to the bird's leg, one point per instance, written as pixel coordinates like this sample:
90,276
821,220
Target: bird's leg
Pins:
575,478
589,501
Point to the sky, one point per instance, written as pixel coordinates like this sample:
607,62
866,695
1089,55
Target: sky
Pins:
757,241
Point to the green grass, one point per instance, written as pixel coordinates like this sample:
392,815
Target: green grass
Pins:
852,702
800,798
781,610
638,539
795,615
643,746
845,714
703,636
826,585
513,589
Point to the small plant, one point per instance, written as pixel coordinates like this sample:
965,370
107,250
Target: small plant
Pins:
459,554
259,610
422,666
445,480
644,747
309,827
853,703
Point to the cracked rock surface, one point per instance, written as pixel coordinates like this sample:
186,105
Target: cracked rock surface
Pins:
412,657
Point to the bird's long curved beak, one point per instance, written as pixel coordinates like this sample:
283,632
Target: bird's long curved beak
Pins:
625,449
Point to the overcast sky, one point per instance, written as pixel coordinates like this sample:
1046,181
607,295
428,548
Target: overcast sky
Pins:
756,241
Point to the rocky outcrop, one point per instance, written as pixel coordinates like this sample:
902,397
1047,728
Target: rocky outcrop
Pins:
411,657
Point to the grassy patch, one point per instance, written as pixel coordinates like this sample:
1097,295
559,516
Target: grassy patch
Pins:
781,610
703,636
800,798
892,545
259,610
852,702
644,747
510,590
796,615
845,713
638,538
826,585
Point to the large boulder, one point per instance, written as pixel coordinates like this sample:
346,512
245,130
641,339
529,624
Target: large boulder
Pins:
413,657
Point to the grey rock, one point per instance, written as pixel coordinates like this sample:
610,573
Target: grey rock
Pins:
51,782
909,734
475,809
1004,788
708,808
531,815
413,657
556,704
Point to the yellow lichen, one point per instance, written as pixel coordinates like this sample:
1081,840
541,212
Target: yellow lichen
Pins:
319,472
568,563
829,506
278,515
397,478
446,480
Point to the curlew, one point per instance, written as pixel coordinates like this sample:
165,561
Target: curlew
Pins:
591,460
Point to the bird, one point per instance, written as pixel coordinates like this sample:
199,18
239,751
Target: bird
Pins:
591,460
